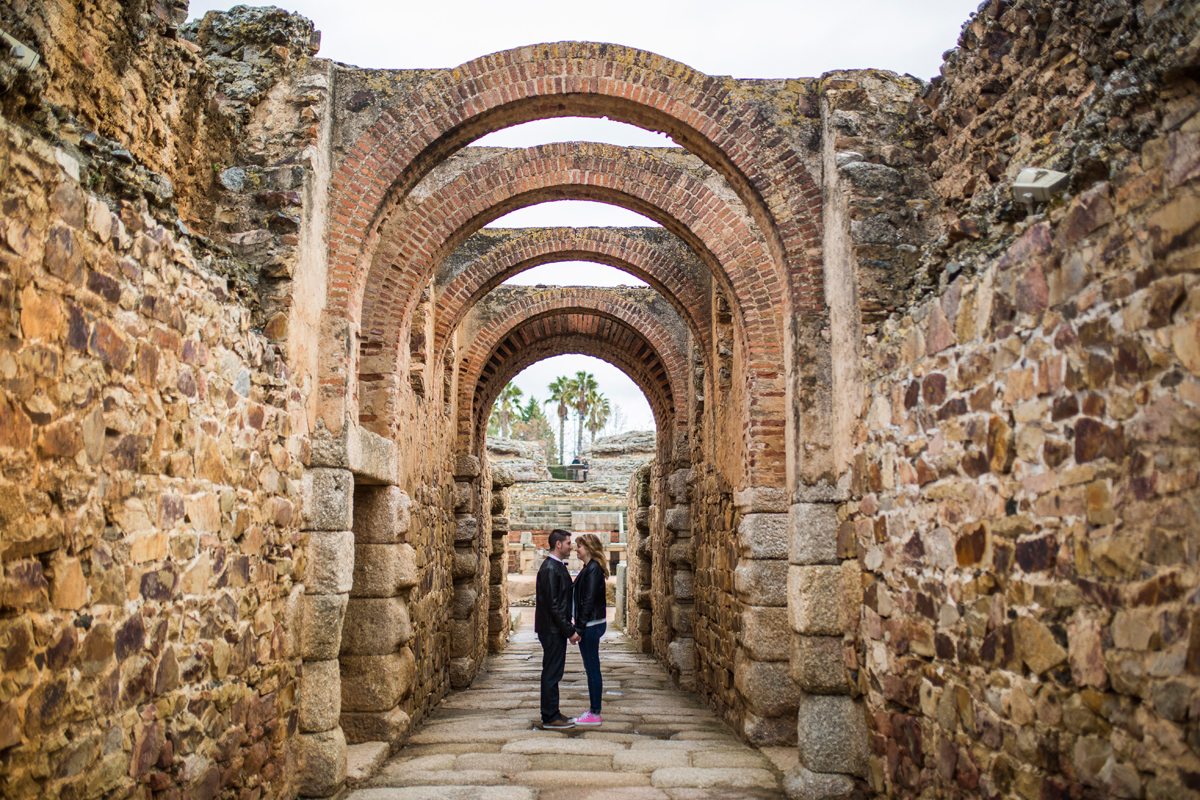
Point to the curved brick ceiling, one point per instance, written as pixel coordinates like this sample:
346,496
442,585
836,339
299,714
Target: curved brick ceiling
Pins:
585,79
530,325
663,188
493,255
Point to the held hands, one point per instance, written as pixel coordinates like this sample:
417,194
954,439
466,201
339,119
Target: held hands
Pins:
574,638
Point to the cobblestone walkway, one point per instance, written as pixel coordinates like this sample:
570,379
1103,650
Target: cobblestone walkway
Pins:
657,743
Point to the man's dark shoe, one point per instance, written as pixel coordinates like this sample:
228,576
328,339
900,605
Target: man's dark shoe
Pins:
561,723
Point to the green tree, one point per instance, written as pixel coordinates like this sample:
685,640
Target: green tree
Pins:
598,415
532,426
506,407
585,389
532,410
561,392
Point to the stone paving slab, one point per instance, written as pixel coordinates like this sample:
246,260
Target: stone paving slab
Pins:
657,742
708,778
447,793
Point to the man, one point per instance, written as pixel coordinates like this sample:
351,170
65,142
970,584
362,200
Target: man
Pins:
552,624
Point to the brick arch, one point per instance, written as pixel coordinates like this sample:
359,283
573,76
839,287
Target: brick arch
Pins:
654,356
588,79
637,179
667,422
666,270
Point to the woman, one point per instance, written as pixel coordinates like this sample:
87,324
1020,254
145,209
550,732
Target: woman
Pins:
591,617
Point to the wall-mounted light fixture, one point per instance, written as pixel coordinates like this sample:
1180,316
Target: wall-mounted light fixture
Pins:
25,56
1035,185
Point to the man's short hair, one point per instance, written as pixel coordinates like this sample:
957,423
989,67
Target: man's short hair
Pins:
558,535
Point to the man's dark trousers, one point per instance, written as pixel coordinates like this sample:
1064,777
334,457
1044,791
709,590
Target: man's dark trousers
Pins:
554,661
552,623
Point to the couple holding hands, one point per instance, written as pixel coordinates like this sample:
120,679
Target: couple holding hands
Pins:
558,600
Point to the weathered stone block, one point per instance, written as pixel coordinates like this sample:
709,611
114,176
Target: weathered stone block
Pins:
765,633
381,514
763,535
376,726
381,570
327,499
760,499
330,562
320,698
320,762
1036,646
766,687
499,526
682,553
769,731
761,582
641,519
819,664
407,569
466,467
682,619
376,458
803,784
681,655
502,477
320,621
466,529
815,600
464,602
679,520
682,584
375,626
464,497
376,683
831,733
814,529
462,638
677,485
465,564
462,672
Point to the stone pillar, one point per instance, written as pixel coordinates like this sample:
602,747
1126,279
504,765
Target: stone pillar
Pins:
831,726
681,557
761,672
377,664
639,615
465,647
498,620
327,514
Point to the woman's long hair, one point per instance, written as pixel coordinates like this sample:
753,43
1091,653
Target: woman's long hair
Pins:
591,543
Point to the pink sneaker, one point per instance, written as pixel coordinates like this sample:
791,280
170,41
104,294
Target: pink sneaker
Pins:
588,720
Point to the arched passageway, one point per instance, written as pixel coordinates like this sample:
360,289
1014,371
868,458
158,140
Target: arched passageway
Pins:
923,498
422,336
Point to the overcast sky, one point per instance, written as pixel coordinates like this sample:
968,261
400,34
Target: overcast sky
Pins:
742,38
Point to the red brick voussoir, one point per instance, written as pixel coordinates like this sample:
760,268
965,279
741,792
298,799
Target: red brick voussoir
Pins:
721,234
564,79
653,356
670,271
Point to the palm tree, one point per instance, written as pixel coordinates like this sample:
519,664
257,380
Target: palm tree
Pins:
508,406
585,390
598,415
561,392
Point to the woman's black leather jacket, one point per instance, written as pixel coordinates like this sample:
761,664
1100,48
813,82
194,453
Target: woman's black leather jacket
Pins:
589,596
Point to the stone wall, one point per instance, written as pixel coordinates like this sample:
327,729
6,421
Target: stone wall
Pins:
1024,488
152,449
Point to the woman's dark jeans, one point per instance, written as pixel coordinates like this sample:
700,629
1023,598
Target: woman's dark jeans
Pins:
589,650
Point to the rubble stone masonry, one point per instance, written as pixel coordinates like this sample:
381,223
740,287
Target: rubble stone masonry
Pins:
924,498
1025,502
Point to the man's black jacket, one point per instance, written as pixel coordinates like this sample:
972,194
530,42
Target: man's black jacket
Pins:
590,599
553,597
